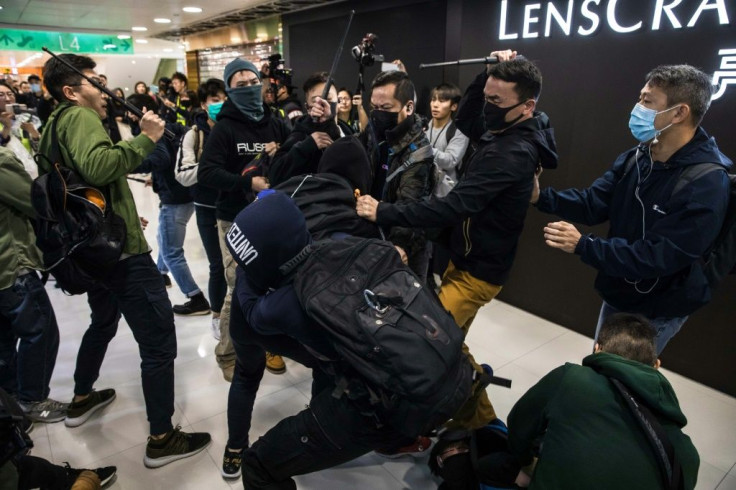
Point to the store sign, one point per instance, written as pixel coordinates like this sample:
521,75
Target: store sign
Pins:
63,42
585,17
727,74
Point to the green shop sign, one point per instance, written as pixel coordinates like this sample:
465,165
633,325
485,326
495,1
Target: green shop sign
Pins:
63,42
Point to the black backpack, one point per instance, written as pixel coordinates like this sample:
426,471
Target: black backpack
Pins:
76,228
14,440
387,327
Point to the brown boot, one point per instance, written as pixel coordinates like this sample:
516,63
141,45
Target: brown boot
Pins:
87,480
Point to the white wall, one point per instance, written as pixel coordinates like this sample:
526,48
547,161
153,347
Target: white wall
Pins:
124,71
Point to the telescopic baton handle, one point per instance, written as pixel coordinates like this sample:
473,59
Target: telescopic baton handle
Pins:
472,61
130,107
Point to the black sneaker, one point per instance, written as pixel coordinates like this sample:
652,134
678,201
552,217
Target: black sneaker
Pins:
197,305
231,463
167,280
106,474
47,411
174,446
80,412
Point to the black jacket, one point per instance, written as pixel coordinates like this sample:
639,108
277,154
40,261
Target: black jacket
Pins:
233,144
487,208
299,154
161,165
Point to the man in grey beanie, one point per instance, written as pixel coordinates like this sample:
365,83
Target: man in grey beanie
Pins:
234,161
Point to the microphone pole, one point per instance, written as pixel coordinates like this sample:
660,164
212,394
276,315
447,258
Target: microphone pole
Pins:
130,107
490,60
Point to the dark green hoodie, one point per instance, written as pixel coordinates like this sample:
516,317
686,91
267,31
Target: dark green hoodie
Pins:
592,440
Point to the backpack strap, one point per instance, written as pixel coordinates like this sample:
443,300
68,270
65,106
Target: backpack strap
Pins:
416,155
693,173
198,146
451,130
664,451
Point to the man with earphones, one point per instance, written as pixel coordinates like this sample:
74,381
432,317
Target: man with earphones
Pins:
664,207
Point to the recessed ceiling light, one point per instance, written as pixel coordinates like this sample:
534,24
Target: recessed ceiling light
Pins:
192,10
133,61
168,50
162,20
123,36
141,41
139,29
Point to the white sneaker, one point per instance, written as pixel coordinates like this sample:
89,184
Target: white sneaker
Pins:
216,328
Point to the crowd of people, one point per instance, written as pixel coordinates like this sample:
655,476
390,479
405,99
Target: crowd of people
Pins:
273,180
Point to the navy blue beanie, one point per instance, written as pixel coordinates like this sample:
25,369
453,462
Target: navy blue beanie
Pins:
267,233
236,65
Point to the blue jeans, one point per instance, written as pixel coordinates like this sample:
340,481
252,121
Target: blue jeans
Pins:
26,314
172,229
135,289
665,328
207,225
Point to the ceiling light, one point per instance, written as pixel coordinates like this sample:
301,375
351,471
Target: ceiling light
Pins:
162,20
139,29
141,41
192,10
123,36
168,50
133,61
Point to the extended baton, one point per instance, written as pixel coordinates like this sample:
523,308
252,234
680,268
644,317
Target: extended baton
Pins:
330,81
130,107
490,60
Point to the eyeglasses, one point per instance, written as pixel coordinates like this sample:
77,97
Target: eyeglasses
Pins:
96,80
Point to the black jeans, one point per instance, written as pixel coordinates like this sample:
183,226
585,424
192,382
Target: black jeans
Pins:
35,472
250,363
136,289
207,225
26,314
331,431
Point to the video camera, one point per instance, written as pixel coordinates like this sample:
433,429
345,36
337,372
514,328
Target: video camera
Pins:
19,109
278,74
363,52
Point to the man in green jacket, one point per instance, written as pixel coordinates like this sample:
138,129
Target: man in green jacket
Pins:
590,437
135,287
26,313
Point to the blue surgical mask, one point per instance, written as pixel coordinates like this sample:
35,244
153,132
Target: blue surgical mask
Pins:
35,87
248,100
641,123
214,109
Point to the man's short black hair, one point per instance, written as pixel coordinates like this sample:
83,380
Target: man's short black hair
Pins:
34,77
56,75
314,80
143,100
523,73
166,80
22,82
684,84
180,76
211,88
630,336
404,91
447,91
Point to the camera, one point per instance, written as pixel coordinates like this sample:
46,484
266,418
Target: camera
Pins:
364,52
278,74
19,109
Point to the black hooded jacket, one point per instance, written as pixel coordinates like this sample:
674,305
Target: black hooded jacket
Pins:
487,208
233,145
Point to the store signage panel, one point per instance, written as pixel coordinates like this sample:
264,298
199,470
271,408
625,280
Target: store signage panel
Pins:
63,42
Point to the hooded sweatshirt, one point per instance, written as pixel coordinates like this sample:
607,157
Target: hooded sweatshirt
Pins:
486,209
232,146
590,437
652,272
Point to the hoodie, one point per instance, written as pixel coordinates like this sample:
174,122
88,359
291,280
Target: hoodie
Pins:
651,271
235,145
485,212
590,437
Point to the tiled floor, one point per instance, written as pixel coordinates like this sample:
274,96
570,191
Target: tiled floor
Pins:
519,346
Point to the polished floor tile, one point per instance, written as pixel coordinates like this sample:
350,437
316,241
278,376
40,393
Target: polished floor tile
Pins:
519,346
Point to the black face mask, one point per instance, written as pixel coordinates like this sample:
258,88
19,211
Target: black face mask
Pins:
494,116
383,121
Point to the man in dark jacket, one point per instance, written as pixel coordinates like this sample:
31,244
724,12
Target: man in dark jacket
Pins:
245,136
487,208
301,152
590,436
175,211
401,160
664,209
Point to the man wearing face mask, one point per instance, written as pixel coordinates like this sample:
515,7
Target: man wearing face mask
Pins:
664,209
401,160
484,213
246,135
301,152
